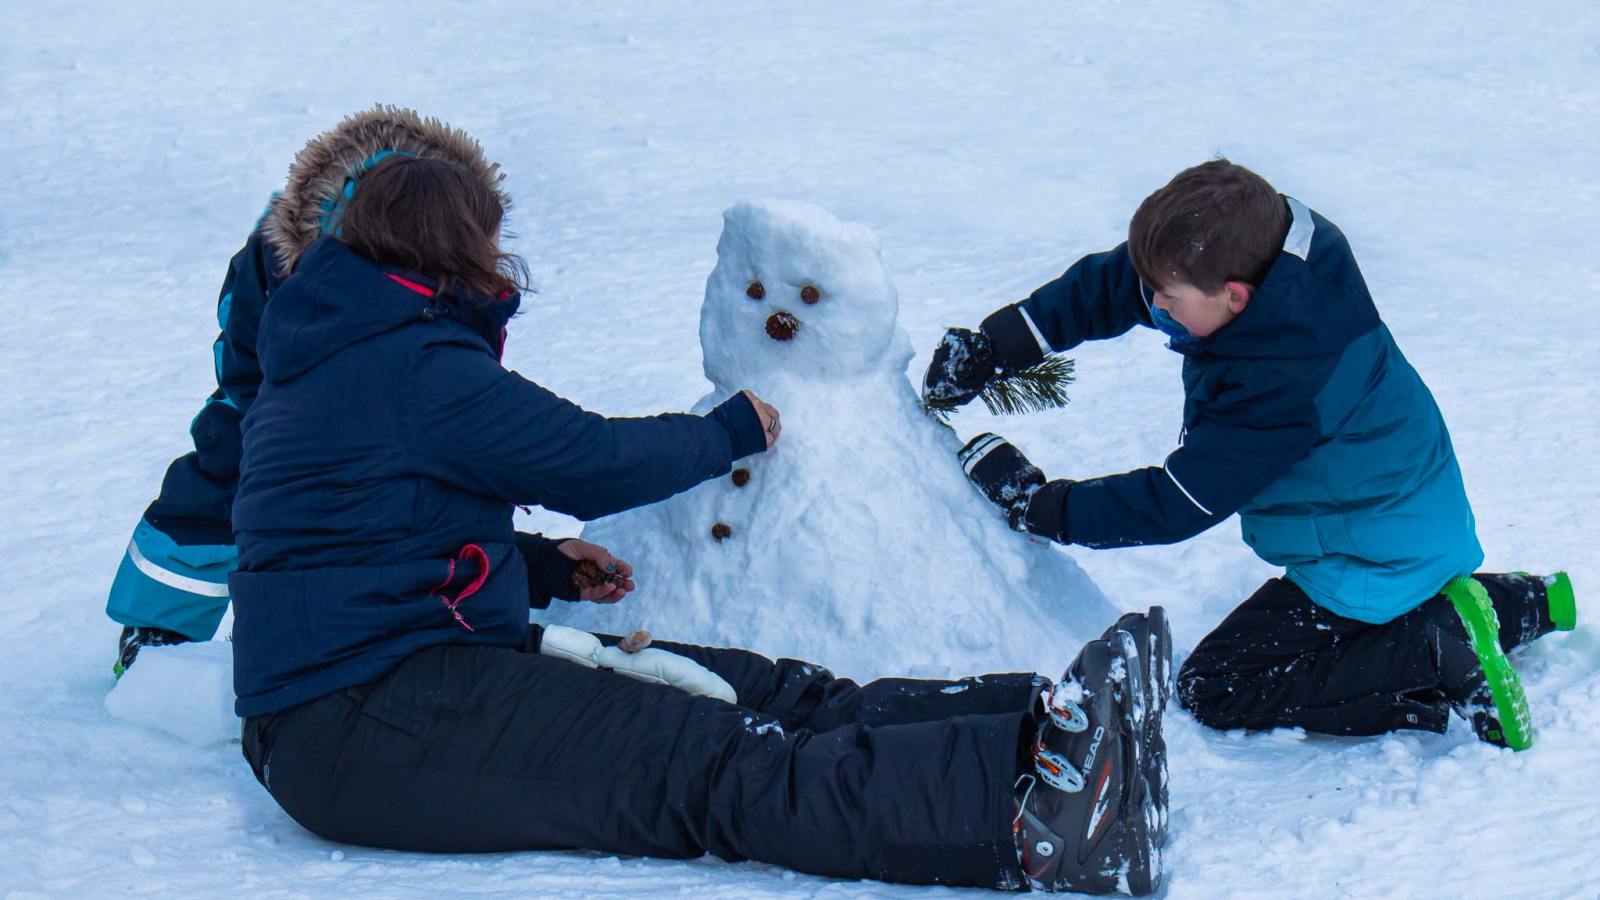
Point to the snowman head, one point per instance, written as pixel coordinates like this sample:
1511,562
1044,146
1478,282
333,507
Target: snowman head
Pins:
797,294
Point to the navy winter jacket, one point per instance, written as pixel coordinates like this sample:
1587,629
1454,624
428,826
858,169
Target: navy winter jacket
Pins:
382,460
1301,415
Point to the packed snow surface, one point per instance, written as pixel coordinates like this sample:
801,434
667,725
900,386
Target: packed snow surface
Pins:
987,147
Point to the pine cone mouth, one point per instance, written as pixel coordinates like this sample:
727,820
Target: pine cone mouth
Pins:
782,326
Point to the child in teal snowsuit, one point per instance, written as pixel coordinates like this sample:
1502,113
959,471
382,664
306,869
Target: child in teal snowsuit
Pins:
172,584
1302,416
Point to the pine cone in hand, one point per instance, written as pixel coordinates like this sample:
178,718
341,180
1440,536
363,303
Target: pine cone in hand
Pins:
588,574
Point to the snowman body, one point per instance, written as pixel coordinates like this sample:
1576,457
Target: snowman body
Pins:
856,541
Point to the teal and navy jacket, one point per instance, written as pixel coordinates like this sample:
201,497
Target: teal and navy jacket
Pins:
1301,415
174,574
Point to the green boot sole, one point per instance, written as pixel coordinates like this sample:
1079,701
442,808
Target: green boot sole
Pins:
1505,685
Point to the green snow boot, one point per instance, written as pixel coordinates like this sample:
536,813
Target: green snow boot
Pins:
1499,709
1563,603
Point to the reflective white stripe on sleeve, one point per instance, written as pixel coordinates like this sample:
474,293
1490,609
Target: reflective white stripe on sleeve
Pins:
173,579
1301,228
1198,505
1044,345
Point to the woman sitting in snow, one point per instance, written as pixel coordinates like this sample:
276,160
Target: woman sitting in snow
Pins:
394,694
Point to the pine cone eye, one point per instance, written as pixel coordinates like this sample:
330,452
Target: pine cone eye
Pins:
810,295
756,290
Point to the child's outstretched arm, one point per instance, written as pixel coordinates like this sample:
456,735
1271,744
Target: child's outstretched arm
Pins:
1260,425
1098,298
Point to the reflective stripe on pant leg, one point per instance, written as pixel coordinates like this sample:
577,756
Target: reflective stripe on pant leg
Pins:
161,584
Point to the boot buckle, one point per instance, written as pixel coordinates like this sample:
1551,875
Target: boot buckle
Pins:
1056,771
1065,713
1069,717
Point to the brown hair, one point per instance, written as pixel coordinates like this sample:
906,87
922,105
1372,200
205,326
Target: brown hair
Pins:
1214,223
436,219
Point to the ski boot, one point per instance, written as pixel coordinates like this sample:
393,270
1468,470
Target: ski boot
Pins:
134,639
1081,823
1153,640
1493,699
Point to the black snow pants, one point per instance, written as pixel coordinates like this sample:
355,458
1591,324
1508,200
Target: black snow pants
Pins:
1280,660
464,749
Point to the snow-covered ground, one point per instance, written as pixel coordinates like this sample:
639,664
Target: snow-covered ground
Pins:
988,145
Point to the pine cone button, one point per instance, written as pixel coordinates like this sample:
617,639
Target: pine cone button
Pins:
721,531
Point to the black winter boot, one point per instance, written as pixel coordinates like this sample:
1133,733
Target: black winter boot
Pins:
134,639
1083,822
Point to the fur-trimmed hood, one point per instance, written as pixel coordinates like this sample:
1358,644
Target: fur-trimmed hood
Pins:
317,176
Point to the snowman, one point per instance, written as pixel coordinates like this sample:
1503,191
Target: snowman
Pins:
856,541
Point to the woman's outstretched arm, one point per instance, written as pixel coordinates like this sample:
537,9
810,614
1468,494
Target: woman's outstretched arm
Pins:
491,431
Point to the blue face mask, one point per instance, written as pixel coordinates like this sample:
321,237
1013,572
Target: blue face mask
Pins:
1169,326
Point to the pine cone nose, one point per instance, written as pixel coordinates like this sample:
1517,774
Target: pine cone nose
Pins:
781,326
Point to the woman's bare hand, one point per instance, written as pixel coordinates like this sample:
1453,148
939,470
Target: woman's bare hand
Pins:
579,551
769,417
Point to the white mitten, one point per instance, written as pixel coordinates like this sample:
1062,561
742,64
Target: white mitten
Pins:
659,666
571,645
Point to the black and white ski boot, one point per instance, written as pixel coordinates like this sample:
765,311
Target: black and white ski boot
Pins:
1152,639
1081,823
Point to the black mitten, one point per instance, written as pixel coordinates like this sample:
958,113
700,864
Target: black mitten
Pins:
1003,474
963,363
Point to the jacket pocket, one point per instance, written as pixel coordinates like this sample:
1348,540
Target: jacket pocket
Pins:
1283,540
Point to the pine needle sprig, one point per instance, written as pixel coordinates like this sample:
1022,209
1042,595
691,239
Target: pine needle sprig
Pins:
1040,386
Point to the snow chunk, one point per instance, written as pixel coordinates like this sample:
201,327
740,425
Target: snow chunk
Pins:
185,690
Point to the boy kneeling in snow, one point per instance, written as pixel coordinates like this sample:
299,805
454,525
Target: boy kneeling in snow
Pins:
394,694
1301,415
